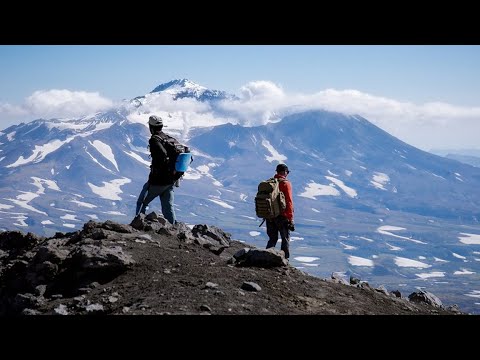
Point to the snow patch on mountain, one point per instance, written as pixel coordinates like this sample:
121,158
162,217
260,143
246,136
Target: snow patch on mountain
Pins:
474,294
105,150
463,272
458,256
470,239
393,248
40,152
432,274
348,190
379,180
23,199
49,183
405,262
137,157
11,135
347,247
438,176
296,238
83,204
109,190
192,175
365,238
306,259
114,213
205,171
359,261
313,189
21,220
384,230
69,217
221,203
96,161
275,155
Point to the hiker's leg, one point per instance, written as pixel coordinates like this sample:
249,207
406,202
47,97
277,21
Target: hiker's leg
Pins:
166,198
141,197
285,234
272,232
152,193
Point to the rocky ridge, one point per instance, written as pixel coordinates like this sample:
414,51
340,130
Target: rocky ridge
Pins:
151,267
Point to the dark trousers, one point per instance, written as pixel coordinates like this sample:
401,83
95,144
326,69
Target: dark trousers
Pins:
275,226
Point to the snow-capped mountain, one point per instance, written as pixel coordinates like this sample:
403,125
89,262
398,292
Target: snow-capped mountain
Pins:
184,88
366,203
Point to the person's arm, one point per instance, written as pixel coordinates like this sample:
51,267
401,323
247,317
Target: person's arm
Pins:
286,188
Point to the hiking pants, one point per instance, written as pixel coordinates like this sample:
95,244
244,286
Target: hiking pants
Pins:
141,197
166,194
275,226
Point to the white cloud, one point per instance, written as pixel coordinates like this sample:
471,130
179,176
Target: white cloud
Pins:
65,103
261,90
54,103
427,125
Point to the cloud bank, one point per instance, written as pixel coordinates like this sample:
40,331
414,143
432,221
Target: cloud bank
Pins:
427,126
54,104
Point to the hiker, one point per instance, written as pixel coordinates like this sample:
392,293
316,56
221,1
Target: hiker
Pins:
162,176
283,223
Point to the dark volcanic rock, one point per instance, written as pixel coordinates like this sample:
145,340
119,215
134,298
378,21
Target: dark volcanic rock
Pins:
153,267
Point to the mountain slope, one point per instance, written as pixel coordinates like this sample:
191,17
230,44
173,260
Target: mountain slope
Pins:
366,203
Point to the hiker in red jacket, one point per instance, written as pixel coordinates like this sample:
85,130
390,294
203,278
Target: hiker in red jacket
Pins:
283,223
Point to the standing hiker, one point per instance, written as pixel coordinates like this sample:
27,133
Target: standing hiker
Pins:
164,151
284,222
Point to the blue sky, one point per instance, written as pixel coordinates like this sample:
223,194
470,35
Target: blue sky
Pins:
416,75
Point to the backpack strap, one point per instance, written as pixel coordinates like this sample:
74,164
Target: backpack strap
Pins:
160,142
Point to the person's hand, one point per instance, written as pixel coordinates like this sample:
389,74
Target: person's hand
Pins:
291,226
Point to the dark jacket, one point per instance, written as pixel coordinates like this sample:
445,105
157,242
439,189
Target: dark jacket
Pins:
160,172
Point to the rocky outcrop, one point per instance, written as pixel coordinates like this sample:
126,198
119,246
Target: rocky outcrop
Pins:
153,267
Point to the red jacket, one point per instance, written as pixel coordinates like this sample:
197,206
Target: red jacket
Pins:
286,188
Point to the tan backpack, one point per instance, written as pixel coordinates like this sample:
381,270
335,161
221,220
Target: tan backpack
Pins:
270,201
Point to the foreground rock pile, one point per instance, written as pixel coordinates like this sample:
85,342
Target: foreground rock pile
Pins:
152,267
